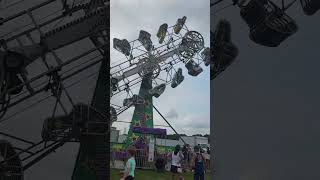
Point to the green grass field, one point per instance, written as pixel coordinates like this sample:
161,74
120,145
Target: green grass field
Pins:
152,175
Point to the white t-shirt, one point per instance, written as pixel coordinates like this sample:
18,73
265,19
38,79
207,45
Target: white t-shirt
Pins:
175,159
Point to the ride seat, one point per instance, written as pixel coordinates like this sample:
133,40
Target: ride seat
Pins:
269,25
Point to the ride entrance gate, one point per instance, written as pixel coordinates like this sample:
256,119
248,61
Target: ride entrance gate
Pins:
141,158
145,146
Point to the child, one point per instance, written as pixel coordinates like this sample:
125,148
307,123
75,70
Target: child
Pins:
128,173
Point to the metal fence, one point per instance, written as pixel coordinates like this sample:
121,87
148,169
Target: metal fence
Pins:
141,157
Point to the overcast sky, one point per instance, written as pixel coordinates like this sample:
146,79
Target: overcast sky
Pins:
266,105
187,107
182,109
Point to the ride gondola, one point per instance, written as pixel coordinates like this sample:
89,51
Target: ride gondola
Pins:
269,25
224,52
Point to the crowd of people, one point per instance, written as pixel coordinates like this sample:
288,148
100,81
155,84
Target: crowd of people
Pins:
181,160
185,160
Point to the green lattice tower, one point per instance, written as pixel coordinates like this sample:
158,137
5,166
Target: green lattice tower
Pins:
93,157
143,113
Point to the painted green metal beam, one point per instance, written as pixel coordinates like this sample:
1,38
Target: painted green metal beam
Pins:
143,113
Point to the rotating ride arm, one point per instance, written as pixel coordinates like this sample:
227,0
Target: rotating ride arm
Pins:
144,64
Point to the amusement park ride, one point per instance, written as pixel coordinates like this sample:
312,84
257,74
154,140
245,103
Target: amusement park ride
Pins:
152,66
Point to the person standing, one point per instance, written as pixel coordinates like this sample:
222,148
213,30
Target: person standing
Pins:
176,158
189,158
160,163
185,158
198,164
130,165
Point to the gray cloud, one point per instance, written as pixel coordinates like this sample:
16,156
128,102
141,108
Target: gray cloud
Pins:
172,114
196,121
